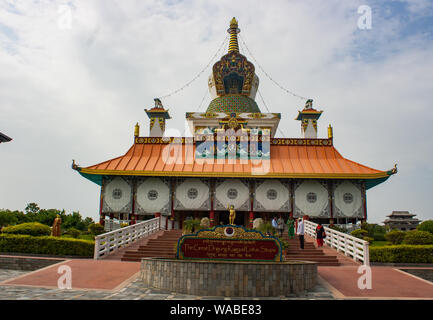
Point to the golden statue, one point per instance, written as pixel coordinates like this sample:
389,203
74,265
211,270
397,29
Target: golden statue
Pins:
232,215
56,226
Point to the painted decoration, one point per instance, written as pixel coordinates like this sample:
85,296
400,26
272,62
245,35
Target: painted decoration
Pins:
272,195
192,194
232,192
229,243
311,198
153,196
117,195
348,199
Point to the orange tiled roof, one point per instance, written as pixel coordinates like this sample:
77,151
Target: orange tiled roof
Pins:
287,161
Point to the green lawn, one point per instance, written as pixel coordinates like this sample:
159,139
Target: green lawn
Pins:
379,243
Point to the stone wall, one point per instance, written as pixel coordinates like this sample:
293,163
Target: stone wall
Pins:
26,263
230,279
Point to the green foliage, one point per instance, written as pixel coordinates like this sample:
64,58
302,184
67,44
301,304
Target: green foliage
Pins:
338,228
284,243
416,237
46,245
29,228
266,227
7,218
359,233
124,225
96,229
192,225
402,254
426,226
395,236
369,239
74,233
374,231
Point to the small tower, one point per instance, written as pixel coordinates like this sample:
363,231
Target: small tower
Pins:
308,118
157,116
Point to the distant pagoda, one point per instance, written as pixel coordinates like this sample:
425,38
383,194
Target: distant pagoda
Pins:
401,220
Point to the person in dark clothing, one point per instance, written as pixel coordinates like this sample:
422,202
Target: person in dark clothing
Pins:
320,235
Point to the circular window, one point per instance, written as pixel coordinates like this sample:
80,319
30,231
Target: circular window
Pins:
271,194
232,194
348,198
152,195
311,197
192,193
117,194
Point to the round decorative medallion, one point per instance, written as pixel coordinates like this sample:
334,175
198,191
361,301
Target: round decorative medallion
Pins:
348,197
229,232
311,197
271,194
117,194
192,193
232,193
152,195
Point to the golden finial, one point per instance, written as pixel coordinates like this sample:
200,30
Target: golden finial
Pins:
234,23
137,130
329,132
233,30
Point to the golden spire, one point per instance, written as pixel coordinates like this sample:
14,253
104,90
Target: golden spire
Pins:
330,134
137,130
233,30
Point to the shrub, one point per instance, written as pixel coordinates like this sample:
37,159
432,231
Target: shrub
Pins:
369,239
267,227
46,245
30,228
191,225
418,237
74,233
426,226
402,254
123,225
96,229
379,236
359,233
338,228
395,236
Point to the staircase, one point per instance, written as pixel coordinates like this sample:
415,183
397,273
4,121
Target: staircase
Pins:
162,246
309,253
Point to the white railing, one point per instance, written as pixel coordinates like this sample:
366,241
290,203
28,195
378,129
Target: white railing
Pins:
109,242
349,245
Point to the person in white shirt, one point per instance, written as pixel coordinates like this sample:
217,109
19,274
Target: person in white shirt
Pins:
300,232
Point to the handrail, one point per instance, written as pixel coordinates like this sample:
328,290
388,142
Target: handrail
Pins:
351,246
109,242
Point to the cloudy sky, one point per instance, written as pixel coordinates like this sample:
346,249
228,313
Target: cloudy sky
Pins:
75,77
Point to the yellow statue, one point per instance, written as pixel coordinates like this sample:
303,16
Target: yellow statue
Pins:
232,215
56,226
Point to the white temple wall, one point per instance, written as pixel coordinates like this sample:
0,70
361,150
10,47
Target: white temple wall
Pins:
117,195
311,198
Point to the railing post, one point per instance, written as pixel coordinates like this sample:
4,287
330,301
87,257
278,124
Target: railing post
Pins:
366,254
96,251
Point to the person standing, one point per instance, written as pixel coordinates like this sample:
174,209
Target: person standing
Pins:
280,223
320,235
291,227
300,232
275,224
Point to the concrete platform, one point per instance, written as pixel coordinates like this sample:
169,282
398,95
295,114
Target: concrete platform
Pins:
86,274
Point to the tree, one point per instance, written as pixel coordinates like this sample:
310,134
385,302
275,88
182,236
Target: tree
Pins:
7,218
426,226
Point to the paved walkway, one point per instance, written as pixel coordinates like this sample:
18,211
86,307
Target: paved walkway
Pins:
387,283
135,290
85,274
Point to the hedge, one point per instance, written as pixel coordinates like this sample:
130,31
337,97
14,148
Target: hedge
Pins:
28,228
402,254
46,245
